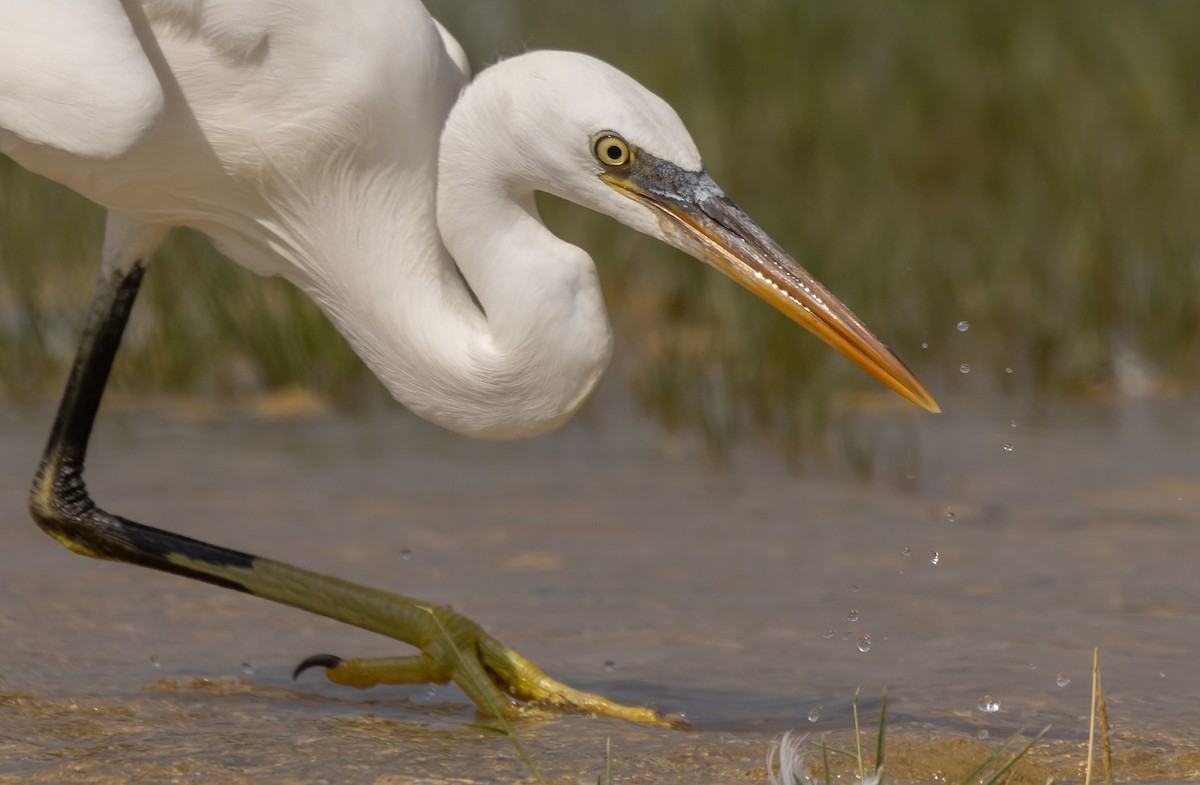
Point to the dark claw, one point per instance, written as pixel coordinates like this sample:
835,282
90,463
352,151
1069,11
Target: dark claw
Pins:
317,660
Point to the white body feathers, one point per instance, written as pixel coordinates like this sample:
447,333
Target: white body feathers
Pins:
303,137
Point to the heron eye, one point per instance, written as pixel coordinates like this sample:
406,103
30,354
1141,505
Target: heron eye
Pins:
612,150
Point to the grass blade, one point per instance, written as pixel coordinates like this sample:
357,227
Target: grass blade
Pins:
862,774
970,778
1087,775
507,729
1105,746
606,778
882,726
1017,756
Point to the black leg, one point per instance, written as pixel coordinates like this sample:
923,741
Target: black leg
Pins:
59,499
452,647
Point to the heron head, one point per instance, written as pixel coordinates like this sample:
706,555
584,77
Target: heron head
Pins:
584,131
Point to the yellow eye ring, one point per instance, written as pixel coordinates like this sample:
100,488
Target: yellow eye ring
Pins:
611,150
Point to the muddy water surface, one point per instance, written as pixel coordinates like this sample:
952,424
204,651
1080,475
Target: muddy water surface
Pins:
980,553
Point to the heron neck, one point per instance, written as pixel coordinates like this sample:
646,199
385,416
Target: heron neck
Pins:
548,336
516,363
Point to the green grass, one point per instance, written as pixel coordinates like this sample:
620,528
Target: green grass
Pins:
786,761
788,757
1032,168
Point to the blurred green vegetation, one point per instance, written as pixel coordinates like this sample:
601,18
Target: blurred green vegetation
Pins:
1030,168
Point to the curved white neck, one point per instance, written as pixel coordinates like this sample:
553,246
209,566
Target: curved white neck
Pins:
520,366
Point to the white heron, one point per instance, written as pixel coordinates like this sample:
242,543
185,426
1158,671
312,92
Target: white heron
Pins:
341,147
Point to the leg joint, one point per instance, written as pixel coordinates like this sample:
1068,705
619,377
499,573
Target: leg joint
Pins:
60,504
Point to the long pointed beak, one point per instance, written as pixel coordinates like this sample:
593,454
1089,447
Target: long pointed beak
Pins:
700,220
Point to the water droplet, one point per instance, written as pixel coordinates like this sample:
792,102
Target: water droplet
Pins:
406,553
248,668
989,704
950,516
814,714
852,616
906,552
864,643
934,558
963,326
610,666
828,635
431,692
155,661
1062,679
983,734
1007,369
855,589
964,368
1012,423
1008,448
924,345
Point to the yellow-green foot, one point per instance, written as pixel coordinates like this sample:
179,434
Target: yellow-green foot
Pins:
496,678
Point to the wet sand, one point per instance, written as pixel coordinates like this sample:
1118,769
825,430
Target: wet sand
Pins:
617,558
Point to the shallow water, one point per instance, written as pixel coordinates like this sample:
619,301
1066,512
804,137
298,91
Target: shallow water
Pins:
617,558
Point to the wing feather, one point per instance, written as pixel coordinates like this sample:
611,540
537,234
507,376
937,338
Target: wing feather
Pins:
74,76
